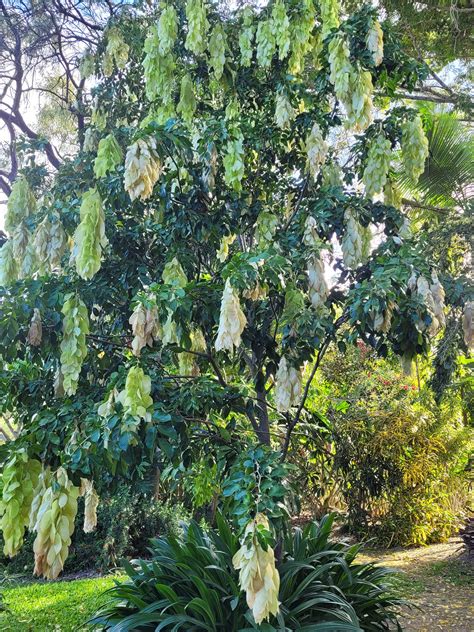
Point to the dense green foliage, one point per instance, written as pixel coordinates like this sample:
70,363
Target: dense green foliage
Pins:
190,584
383,453
399,458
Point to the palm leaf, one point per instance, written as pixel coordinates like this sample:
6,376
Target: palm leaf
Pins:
449,169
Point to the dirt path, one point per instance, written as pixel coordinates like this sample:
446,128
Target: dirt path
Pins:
439,581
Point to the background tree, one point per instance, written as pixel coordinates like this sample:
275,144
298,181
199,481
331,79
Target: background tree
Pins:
40,46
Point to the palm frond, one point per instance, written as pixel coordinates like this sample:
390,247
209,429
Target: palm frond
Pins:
448,177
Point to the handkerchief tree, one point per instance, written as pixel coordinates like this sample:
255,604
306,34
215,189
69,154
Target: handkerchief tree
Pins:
168,295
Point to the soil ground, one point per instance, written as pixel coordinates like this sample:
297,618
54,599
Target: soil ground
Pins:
439,579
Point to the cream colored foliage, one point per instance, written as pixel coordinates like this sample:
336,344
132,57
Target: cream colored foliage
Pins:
91,140
266,43
374,42
378,165
170,331
198,26
234,162
287,386
35,332
116,52
318,287
8,265
107,408
281,29
383,321
159,69
109,155
302,41
73,345
405,231
415,147
217,50
187,103
18,481
167,29
366,236
256,293
340,66
173,273
423,290
392,195
138,322
91,502
99,118
258,575
438,293
352,244
232,320
142,168
44,481
284,111
20,239
50,243
135,397
468,324
29,264
55,525
89,237
21,204
187,361
145,327
265,229
316,151
23,252
246,38
223,251
211,167
329,15
359,103
310,235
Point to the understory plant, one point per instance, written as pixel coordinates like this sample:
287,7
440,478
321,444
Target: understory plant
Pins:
191,584
396,459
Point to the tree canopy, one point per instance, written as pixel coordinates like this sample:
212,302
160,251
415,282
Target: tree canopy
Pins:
168,294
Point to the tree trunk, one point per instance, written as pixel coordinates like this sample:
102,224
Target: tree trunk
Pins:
263,432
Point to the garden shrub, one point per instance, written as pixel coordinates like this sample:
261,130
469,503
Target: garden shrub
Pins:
190,584
127,520
398,457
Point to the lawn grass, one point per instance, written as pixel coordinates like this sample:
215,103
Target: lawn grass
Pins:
52,607
456,572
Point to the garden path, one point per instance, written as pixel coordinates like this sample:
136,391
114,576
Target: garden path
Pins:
439,579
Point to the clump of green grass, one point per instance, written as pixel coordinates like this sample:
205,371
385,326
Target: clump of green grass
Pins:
59,606
454,571
406,585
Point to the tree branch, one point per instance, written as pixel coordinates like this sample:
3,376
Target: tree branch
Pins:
427,207
321,352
